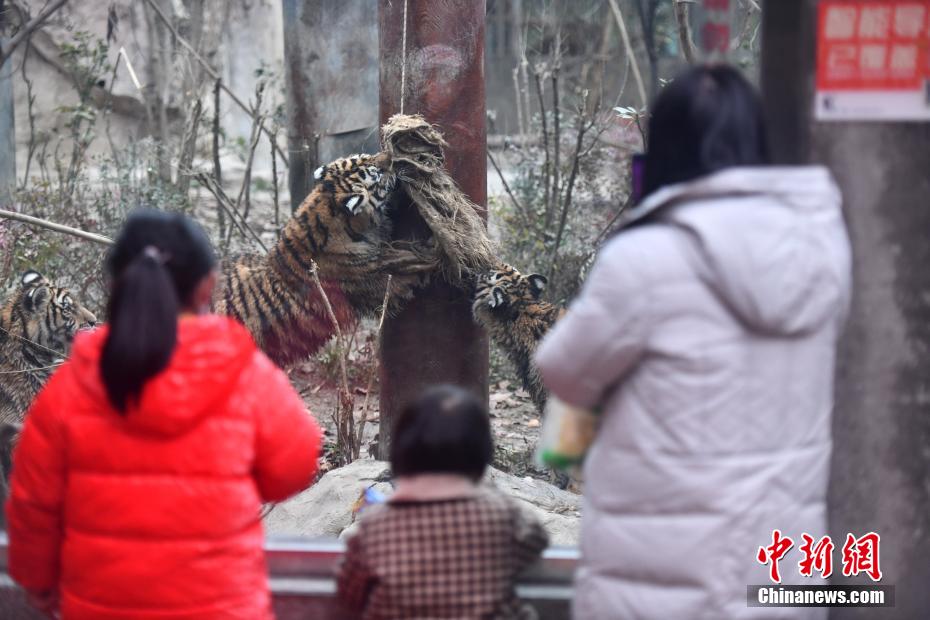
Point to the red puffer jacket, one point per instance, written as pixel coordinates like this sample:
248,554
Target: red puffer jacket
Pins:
155,514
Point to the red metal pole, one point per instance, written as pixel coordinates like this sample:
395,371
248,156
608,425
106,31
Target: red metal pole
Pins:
441,67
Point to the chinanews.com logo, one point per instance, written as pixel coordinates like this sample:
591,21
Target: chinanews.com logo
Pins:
859,555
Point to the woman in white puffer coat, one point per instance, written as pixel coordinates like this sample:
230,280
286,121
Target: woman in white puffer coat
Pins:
706,333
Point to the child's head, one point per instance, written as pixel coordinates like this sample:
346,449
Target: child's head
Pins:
446,430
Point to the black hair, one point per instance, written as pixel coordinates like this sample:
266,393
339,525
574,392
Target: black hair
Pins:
707,119
446,430
156,264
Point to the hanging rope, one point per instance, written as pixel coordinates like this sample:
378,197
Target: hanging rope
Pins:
403,60
416,148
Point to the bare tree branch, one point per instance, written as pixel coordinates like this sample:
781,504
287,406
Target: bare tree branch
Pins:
683,15
209,69
584,125
30,111
227,204
609,227
547,166
274,181
346,428
516,89
35,221
556,136
375,356
525,84
217,169
520,208
747,30
23,33
258,124
630,52
188,146
49,52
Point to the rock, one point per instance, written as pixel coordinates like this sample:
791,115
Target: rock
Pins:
559,511
326,508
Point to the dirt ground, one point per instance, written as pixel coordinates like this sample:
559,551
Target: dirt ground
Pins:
514,420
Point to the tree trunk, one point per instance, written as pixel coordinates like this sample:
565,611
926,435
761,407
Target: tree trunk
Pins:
331,77
7,132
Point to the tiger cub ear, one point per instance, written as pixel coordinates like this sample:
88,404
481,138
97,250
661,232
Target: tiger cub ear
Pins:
30,278
537,284
318,173
37,292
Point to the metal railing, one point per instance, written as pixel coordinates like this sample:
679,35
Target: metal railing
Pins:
303,581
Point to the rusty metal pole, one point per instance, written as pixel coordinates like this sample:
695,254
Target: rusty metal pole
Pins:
434,339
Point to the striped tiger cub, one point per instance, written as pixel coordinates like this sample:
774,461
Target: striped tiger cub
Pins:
508,305
343,226
37,327
9,433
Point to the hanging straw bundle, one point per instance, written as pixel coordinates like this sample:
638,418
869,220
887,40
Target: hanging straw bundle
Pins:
415,148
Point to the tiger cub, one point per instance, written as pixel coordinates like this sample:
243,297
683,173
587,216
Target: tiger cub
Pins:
9,433
343,226
508,305
37,327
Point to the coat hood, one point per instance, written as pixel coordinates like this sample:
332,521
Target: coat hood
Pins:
770,242
210,354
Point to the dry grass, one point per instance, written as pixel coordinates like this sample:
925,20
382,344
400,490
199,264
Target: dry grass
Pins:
416,150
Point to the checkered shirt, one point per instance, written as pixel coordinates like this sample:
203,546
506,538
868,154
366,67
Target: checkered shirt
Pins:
454,558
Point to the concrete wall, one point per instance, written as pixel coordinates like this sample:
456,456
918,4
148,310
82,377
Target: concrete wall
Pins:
239,38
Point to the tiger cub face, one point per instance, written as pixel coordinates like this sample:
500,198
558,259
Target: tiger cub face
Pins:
44,314
510,307
361,184
504,293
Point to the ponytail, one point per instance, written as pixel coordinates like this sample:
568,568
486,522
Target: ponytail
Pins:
143,315
155,265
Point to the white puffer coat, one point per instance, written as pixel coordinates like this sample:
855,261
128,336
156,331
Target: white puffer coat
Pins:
708,336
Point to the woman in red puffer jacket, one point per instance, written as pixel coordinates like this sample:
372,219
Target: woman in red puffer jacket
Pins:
142,466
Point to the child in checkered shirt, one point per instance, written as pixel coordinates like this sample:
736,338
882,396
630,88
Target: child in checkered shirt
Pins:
444,545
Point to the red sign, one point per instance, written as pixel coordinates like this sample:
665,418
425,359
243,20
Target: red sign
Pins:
874,47
715,31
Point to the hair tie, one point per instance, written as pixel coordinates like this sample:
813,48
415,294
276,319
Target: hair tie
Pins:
155,254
